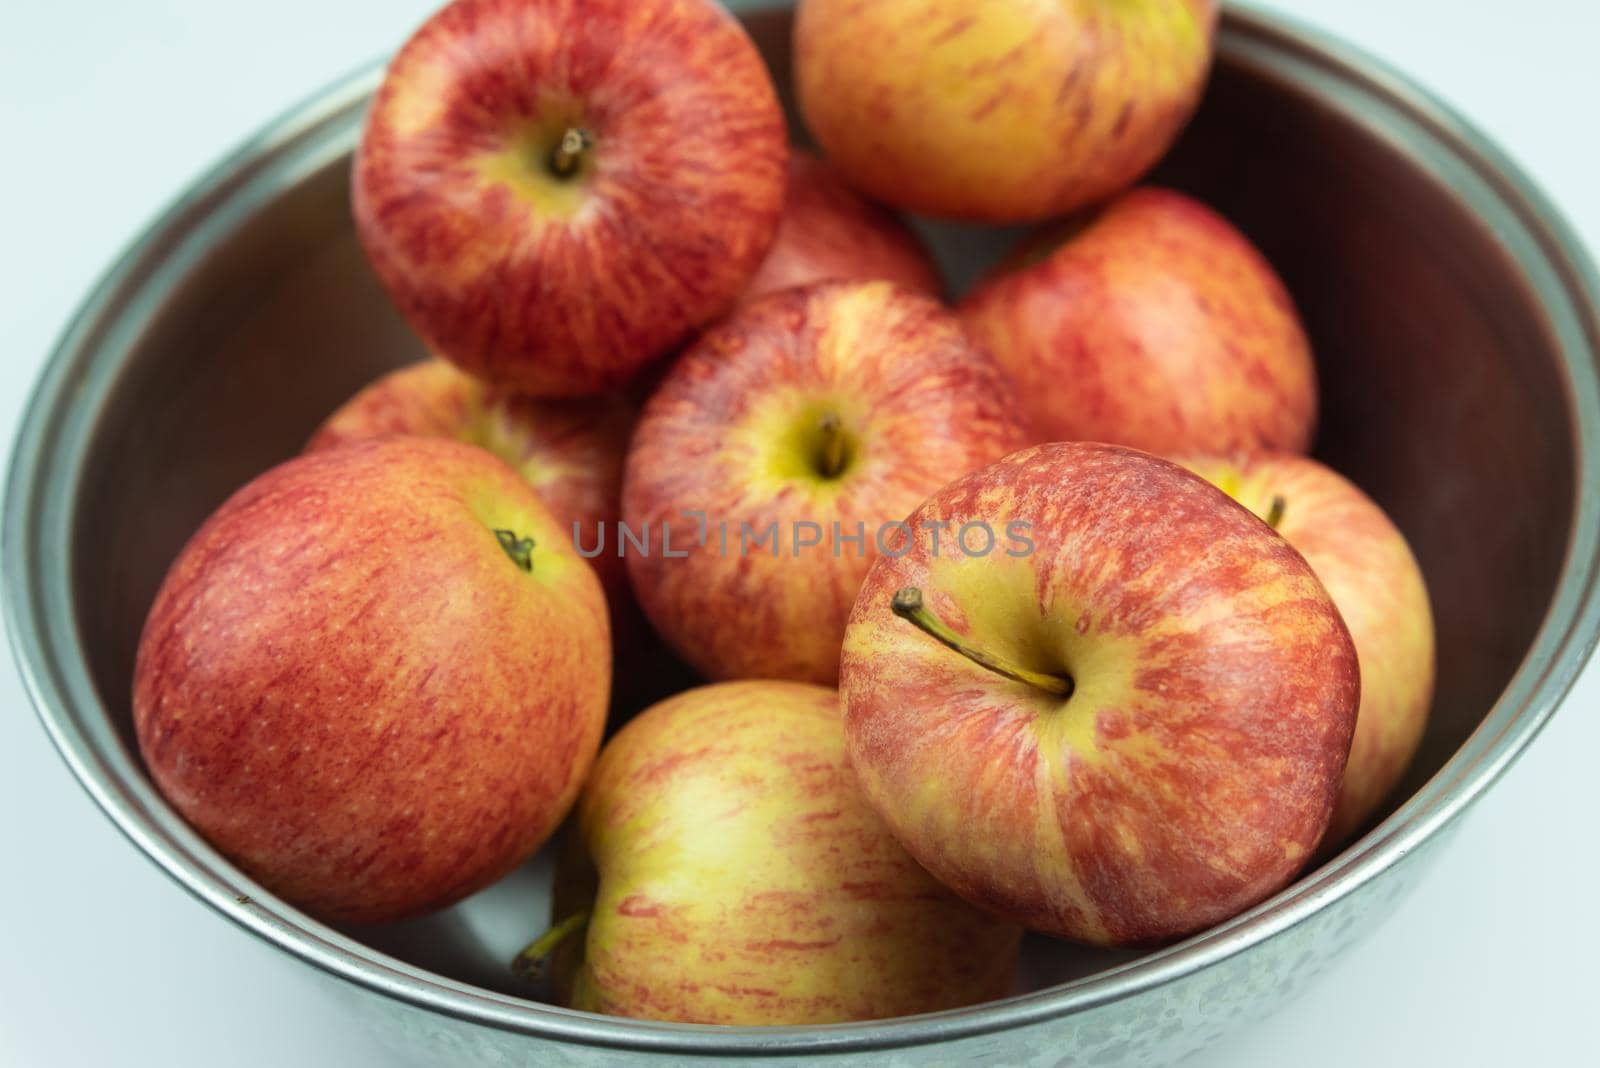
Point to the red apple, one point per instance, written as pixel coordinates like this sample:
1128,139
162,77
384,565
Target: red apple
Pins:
829,232
1123,726
1369,571
1154,324
555,194
375,678
999,111
776,457
743,879
571,451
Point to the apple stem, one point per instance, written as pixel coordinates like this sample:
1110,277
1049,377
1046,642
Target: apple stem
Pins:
1275,513
567,156
529,964
909,607
831,456
519,549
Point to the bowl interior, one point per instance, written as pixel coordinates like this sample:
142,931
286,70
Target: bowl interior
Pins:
1442,396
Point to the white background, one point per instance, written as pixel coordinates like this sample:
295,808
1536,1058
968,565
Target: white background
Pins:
108,108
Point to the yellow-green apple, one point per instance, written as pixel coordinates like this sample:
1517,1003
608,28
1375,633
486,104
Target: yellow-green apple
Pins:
776,457
999,110
376,677
570,450
554,194
1124,730
743,879
1371,574
1155,324
829,232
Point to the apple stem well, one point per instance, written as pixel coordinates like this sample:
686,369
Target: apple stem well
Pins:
1275,513
518,548
909,607
567,157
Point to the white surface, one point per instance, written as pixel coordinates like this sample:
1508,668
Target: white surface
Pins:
108,108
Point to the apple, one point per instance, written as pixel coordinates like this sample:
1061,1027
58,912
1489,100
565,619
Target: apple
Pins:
1000,111
375,678
571,450
776,456
829,232
1371,574
743,879
556,194
1124,727
1152,323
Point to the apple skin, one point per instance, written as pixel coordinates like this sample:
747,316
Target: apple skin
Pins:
829,232
743,879
1005,111
1156,325
1194,768
565,286
571,451
351,690
729,432
1372,576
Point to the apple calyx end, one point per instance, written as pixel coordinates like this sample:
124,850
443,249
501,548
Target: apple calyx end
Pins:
909,606
518,548
531,962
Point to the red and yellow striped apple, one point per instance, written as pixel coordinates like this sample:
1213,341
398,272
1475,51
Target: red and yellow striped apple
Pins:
743,879
999,110
829,232
554,194
375,678
571,450
1372,576
816,416
1153,324
1128,734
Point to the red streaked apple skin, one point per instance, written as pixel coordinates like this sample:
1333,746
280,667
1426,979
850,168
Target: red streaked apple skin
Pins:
743,878
1157,326
351,690
1193,770
829,232
1000,111
570,450
568,287
718,436
1371,574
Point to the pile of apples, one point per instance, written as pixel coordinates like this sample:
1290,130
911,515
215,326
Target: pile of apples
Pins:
1027,612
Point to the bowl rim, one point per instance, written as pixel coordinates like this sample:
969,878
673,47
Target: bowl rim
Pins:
49,450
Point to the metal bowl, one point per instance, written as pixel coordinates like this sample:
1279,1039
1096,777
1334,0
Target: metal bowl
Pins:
1454,319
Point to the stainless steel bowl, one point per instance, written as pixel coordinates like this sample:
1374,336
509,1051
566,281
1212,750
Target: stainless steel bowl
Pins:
1454,318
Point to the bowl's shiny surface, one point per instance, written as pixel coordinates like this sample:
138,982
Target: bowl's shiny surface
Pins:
1457,336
